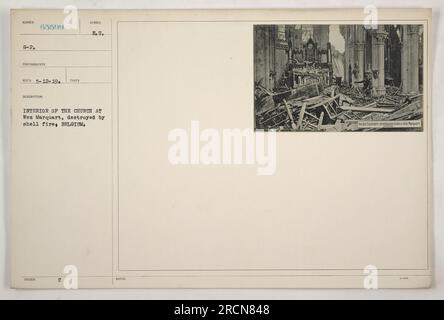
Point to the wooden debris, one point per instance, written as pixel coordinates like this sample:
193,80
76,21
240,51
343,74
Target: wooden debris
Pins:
308,90
321,118
367,109
334,109
301,116
290,115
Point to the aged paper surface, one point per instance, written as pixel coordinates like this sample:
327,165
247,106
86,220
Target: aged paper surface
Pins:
122,178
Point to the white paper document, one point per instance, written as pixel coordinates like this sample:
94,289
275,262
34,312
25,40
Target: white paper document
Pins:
220,149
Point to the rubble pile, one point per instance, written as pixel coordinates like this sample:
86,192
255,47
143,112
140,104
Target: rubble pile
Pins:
335,108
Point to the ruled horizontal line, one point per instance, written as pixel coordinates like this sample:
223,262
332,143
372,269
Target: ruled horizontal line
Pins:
67,50
43,66
56,84
63,34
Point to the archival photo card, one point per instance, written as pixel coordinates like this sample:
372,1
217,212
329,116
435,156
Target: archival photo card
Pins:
141,159
326,77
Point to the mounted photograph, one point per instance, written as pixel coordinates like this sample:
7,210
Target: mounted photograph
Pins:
338,77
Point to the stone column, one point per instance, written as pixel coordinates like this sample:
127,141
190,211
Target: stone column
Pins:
262,56
374,53
405,58
267,80
351,52
359,49
414,58
380,42
345,34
